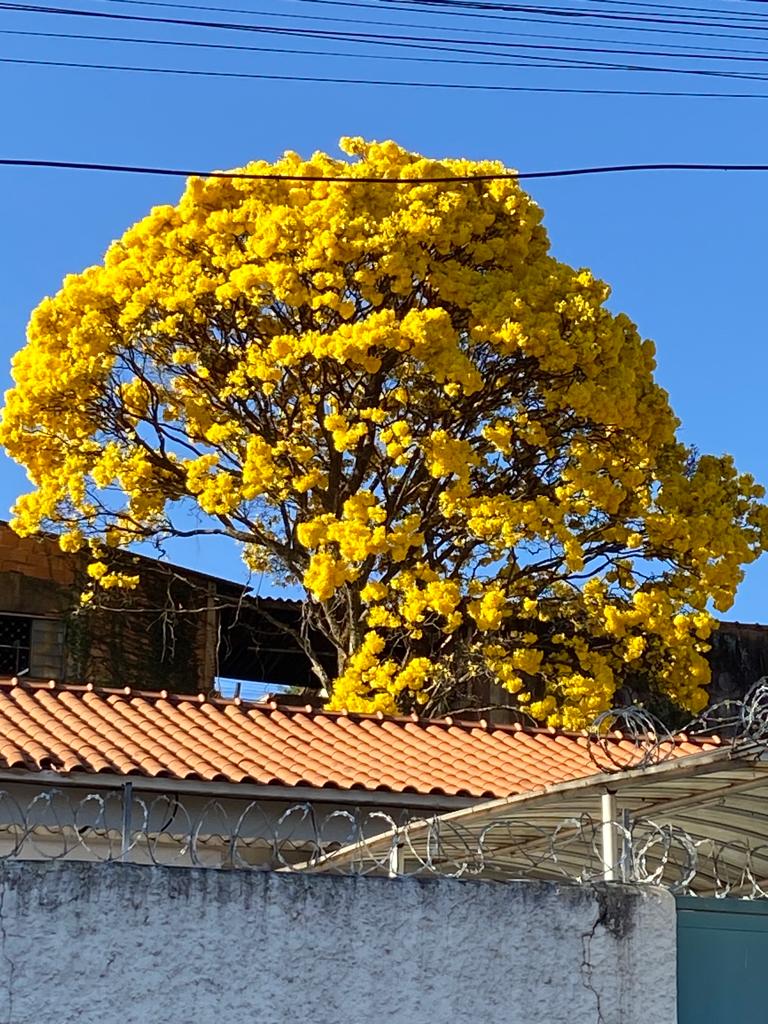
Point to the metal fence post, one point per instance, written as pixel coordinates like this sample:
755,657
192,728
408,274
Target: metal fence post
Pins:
627,867
125,838
608,835
396,860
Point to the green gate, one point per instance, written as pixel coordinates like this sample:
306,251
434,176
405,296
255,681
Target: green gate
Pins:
722,961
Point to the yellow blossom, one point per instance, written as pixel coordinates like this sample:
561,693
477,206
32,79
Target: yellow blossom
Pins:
397,397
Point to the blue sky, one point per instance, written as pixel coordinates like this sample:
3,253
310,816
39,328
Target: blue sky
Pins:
684,253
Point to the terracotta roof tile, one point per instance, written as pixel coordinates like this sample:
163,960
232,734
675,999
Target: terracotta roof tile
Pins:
76,729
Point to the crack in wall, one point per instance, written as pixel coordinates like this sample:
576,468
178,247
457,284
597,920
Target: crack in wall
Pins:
615,916
587,969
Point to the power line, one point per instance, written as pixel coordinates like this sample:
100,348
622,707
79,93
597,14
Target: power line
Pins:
228,25
470,6
571,172
662,7
277,49
454,6
426,42
481,5
469,86
87,37
526,62
240,27
405,24
514,18
640,3
414,5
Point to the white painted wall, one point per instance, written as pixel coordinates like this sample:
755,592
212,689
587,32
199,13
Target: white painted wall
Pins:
127,944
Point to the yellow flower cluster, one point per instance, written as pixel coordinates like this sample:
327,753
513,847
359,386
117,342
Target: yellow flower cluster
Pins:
373,682
341,545
394,394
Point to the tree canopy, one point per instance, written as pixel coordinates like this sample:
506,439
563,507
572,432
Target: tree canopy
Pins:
394,395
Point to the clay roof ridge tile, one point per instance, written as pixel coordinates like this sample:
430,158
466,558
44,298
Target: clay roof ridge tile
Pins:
118,694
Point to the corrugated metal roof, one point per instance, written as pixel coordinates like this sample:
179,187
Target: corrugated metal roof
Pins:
697,823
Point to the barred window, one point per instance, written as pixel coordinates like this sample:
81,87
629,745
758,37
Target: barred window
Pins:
15,642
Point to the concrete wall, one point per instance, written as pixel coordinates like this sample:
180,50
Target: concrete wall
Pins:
123,944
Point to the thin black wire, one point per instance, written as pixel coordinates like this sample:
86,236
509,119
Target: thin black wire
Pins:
524,62
17,8
373,39
643,4
228,25
281,49
240,27
756,57
469,86
571,12
748,17
381,39
454,179
515,18
670,7
575,12
454,5
402,24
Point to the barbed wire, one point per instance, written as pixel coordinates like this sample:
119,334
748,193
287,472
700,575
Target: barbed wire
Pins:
633,738
113,826
119,825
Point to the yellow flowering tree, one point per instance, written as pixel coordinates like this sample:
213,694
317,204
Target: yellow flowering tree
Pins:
394,395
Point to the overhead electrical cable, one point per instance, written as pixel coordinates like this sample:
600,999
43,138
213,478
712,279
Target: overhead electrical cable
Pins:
468,86
404,24
642,4
755,57
688,8
746,17
452,179
7,5
178,22
532,63
382,39
227,26
239,27
455,5
517,18
281,49
577,12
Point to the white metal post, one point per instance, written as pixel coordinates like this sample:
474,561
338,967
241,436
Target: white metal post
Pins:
396,859
125,837
610,849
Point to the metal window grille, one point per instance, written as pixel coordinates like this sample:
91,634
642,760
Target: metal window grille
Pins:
15,643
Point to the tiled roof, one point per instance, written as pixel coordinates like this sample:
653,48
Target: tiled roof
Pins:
79,729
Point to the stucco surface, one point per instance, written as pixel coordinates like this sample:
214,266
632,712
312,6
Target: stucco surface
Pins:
126,944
